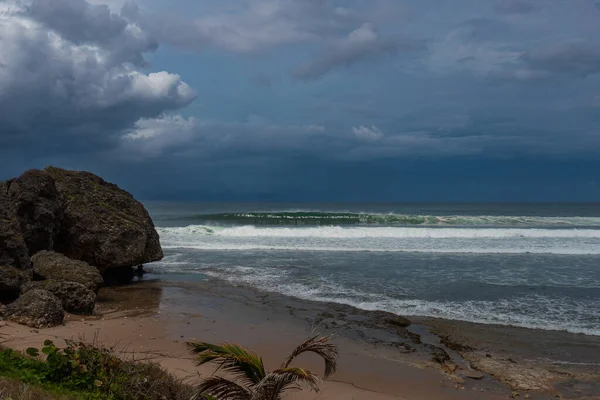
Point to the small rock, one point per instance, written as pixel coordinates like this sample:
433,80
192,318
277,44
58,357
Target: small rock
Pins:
473,374
515,395
51,265
74,296
37,309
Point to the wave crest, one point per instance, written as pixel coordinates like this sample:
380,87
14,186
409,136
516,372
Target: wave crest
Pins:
380,232
305,218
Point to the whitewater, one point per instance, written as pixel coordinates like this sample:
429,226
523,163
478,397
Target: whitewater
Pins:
525,265
385,239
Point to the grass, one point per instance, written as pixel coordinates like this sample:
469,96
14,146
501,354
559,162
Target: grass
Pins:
82,371
14,389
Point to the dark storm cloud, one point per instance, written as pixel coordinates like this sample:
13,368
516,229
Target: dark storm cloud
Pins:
579,59
74,82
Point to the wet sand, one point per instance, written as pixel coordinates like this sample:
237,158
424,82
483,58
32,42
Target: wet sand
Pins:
379,359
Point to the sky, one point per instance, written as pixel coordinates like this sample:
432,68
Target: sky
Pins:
307,100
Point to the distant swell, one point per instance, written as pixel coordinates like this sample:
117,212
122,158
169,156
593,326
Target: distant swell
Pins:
340,218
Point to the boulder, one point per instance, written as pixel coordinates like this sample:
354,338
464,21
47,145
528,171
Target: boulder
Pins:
103,225
35,200
74,297
13,250
55,266
36,308
11,280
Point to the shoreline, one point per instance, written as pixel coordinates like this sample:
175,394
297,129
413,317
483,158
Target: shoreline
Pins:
378,359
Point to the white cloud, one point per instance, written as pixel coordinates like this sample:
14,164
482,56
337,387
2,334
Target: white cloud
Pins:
364,132
256,25
150,137
74,69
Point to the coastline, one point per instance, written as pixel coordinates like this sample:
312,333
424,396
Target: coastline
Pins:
153,319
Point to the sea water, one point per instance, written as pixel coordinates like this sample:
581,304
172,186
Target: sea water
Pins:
529,265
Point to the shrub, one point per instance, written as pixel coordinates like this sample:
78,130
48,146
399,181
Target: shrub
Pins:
95,371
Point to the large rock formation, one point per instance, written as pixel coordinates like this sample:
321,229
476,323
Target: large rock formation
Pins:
77,214
35,201
71,227
13,250
36,308
103,225
75,297
54,266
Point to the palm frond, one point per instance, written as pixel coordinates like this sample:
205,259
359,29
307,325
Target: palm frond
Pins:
221,388
232,358
283,379
319,345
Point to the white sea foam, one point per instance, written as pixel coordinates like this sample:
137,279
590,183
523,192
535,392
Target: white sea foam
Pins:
532,311
385,239
247,247
381,232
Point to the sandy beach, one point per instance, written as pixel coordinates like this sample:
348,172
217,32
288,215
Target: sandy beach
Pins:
152,320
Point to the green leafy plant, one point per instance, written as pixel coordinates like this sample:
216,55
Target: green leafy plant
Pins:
95,371
251,380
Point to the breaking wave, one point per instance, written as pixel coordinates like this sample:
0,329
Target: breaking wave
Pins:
379,232
293,218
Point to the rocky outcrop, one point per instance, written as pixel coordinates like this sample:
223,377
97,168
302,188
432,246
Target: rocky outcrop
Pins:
103,225
54,266
75,297
13,250
36,308
35,201
64,229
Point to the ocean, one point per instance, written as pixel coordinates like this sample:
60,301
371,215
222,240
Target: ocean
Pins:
527,265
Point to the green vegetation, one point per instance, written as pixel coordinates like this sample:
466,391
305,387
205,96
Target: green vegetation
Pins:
82,371
251,380
14,389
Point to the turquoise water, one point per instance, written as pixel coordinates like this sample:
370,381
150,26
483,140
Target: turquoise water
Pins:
531,265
